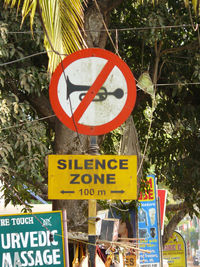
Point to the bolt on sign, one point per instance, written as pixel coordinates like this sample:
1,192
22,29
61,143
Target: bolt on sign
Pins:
92,177
34,239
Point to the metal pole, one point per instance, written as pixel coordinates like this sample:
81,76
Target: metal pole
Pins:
159,231
93,150
64,212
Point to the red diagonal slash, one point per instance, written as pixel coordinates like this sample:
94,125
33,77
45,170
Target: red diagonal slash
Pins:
94,89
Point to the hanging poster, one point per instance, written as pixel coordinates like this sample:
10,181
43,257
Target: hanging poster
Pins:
148,226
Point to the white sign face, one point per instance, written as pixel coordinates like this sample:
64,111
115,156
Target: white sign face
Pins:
92,91
106,105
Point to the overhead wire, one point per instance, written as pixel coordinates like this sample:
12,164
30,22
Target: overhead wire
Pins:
23,58
114,29
26,122
47,117
45,52
106,29
178,84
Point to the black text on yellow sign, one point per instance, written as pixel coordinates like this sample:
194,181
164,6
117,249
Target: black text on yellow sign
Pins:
92,177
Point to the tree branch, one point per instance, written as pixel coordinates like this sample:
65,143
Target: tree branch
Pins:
108,5
42,106
169,229
40,103
176,207
43,187
193,45
157,60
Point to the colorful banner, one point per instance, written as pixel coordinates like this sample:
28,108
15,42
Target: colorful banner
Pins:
162,194
32,239
148,225
175,251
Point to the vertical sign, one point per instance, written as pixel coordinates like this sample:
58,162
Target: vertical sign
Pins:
148,225
162,194
175,251
32,239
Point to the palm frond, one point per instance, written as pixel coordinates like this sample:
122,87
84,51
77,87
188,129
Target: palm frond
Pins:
62,21
195,4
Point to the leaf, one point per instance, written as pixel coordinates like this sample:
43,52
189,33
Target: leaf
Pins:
145,83
63,22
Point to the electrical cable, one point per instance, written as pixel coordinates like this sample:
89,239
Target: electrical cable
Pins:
23,58
47,117
118,29
106,29
178,84
26,122
29,56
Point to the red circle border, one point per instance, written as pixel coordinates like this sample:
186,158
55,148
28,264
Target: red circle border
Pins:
109,126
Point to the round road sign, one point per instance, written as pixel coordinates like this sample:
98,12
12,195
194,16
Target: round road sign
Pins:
92,91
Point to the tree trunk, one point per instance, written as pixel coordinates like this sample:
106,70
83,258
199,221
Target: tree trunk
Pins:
130,146
169,229
69,142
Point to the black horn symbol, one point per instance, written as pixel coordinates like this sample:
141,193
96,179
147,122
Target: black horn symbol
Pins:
101,95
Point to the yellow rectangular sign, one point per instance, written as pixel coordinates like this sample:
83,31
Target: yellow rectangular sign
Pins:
92,177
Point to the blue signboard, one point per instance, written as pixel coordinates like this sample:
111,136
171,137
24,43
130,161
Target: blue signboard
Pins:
148,225
31,239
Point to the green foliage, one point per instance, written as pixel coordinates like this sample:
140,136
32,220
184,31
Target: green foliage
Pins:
111,143
173,141
24,141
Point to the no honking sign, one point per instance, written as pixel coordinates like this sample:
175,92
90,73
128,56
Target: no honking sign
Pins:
92,91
